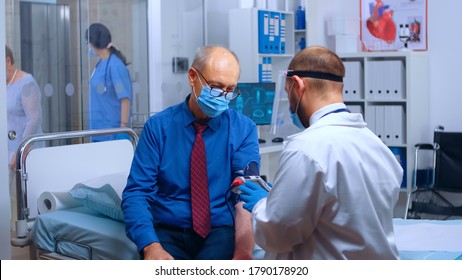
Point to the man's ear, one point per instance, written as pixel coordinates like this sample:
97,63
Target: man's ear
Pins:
192,76
299,85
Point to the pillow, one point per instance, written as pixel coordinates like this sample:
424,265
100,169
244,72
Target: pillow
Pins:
117,180
104,200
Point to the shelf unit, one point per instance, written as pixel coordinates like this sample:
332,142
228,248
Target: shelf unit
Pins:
244,41
292,6
298,34
244,38
391,90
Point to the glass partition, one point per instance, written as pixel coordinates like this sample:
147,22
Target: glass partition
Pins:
48,41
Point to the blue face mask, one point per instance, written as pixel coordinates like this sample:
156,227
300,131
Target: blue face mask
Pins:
296,120
211,106
294,116
91,51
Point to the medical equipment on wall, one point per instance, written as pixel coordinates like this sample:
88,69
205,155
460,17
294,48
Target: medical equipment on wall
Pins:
256,101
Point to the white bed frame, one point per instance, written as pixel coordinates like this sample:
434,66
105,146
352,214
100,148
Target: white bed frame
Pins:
59,168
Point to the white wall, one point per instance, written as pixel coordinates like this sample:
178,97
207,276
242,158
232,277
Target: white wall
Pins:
177,30
444,43
179,35
5,248
216,30
444,47
320,11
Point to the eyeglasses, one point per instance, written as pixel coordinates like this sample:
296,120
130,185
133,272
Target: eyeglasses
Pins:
217,92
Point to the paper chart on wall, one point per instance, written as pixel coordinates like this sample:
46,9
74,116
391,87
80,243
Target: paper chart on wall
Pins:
383,20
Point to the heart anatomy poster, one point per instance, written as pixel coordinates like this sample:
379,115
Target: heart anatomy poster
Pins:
388,25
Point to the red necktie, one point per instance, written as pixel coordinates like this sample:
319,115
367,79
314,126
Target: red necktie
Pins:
200,201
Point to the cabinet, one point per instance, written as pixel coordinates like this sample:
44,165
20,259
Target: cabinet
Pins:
250,33
263,40
391,90
245,38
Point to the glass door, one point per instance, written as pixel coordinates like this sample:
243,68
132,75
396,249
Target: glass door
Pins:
48,41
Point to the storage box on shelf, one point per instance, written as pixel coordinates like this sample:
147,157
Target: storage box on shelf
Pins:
263,40
299,10
391,90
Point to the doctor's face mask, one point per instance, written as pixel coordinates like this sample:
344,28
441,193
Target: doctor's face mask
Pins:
283,80
294,115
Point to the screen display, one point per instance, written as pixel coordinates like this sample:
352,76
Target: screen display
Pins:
255,101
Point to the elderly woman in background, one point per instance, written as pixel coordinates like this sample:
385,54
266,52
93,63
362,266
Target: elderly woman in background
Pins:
24,112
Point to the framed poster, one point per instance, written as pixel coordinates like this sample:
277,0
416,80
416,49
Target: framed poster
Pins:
388,25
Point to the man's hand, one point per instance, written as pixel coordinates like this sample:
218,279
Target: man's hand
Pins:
154,251
251,193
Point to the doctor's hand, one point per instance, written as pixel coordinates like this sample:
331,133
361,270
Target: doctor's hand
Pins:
251,193
154,251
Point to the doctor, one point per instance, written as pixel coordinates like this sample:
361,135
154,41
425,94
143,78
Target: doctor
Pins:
337,183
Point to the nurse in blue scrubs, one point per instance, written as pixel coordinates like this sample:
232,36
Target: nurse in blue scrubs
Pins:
110,84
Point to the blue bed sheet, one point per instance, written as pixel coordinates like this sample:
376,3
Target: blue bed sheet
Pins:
81,233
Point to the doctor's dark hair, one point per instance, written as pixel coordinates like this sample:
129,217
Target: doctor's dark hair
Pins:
100,37
319,59
203,55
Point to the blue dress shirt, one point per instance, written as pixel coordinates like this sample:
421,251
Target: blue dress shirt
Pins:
158,187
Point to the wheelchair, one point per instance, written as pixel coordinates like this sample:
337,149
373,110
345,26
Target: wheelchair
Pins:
436,192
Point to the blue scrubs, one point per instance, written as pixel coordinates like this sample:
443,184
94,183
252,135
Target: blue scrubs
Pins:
109,83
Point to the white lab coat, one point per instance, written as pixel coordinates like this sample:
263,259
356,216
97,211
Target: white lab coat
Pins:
333,194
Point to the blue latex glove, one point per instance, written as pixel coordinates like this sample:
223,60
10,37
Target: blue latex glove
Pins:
251,193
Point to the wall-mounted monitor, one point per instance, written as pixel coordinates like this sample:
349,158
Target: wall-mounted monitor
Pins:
255,101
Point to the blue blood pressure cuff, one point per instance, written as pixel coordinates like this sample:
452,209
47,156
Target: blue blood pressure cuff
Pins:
250,169
235,198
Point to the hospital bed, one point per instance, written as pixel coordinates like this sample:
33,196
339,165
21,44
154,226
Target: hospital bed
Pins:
87,224
421,240
83,232
428,239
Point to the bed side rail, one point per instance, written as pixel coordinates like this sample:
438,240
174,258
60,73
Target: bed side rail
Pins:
21,224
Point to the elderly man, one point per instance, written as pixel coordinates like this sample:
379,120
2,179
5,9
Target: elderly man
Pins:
177,201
